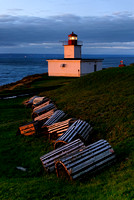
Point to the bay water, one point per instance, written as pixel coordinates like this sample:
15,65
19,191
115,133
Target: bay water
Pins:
14,67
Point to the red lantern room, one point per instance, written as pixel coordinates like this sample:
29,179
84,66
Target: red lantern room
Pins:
72,49
72,39
122,64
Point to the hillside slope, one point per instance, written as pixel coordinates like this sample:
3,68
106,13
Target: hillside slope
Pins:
105,99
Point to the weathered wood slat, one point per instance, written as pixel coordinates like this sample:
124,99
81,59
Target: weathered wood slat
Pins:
45,116
68,131
79,129
29,132
107,160
45,99
72,133
53,135
27,129
86,133
83,129
41,106
87,150
76,131
31,128
59,134
85,156
38,100
89,159
30,101
57,129
58,115
48,160
43,110
63,130
59,124
54,152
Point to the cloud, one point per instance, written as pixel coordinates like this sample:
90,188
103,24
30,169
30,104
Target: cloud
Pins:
15,10
115,31
112,45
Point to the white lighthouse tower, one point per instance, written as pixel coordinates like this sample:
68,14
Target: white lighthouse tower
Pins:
72,49
73,65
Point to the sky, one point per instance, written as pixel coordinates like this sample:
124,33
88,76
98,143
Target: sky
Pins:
31,26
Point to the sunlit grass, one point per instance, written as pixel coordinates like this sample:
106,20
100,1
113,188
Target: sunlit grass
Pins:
104,99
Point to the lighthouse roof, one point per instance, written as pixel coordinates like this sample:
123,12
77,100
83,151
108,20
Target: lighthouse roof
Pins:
72,34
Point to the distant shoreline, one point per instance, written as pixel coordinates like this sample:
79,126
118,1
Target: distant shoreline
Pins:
23,81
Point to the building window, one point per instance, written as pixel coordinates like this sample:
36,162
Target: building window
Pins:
63,65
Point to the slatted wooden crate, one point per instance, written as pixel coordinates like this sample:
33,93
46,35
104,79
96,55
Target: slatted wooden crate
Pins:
57,129
45,116
90,159
41,106
38,100
57,116
29,102
44,100
27,129
48,160
79,129
30,128
34,127
43,110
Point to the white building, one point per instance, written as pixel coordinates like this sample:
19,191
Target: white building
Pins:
73,65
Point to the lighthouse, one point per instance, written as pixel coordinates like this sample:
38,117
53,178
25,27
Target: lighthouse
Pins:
73,65
122,64
72,49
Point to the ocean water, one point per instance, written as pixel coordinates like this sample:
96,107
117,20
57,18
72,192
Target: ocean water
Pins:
14,67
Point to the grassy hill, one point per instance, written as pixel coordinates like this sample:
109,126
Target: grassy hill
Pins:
105,99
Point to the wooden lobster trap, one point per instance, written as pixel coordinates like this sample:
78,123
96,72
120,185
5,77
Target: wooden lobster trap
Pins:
48,160
43,101
30,128
79,129
29,102
90,159
43,110
56,117
57,129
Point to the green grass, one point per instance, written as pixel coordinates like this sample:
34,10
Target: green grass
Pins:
30,85
105,99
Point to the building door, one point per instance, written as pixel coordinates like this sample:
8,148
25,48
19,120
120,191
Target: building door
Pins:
95,67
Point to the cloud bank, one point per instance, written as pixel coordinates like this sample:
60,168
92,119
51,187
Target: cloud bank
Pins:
107,32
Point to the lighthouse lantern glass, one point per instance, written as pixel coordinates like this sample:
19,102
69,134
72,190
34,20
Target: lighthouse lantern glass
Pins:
72,38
